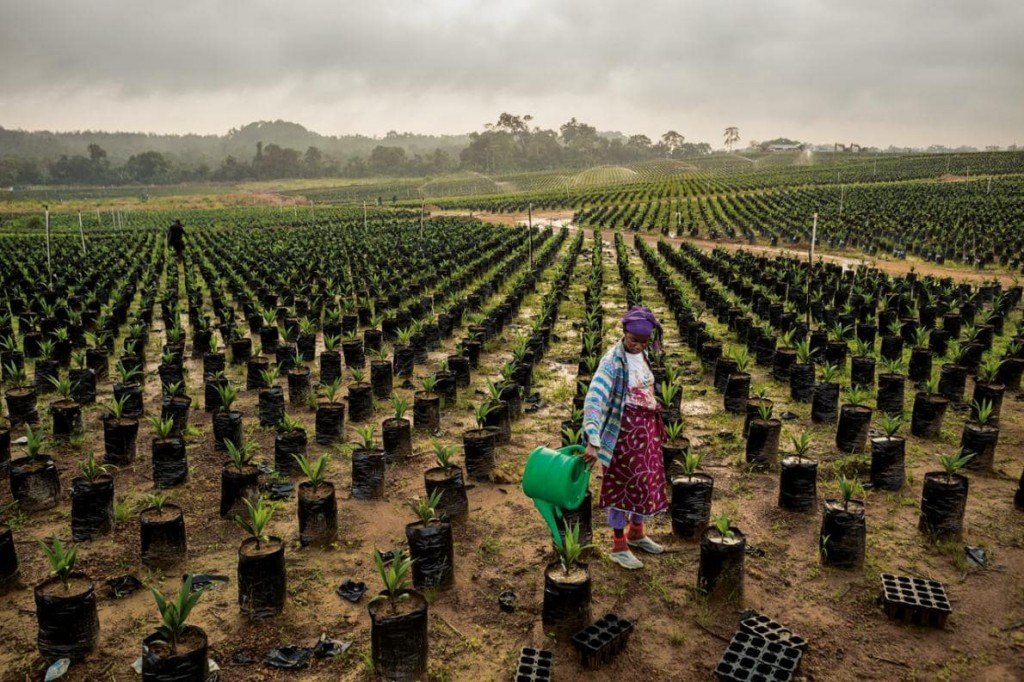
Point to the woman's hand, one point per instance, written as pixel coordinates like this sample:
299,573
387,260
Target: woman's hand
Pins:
590,454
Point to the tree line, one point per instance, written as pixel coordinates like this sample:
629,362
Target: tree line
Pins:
509,145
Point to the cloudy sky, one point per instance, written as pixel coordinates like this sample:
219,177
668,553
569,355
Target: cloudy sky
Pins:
875,72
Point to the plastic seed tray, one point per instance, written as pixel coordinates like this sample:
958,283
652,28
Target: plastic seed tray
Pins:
535,665
765,627
602,640
915,600
750,658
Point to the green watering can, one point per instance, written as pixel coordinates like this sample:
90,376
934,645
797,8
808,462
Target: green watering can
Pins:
556,480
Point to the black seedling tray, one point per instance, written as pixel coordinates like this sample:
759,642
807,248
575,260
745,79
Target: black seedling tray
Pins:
915,600
602,640
763,626
751,658
535,665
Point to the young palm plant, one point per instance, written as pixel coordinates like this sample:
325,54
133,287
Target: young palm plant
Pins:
256,520
395,576
174,613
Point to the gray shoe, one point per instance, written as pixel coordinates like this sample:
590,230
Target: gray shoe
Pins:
626,560
647,545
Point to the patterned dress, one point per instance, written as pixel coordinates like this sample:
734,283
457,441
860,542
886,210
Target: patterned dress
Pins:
634,480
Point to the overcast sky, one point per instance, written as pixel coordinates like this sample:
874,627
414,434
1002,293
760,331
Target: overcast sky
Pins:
875,72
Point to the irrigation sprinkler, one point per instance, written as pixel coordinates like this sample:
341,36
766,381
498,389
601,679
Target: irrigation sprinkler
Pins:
810,267
81,231
49,264
529,217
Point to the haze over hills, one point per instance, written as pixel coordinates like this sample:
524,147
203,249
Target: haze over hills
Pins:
211,149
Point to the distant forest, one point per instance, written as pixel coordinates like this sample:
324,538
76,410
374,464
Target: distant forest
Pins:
267,150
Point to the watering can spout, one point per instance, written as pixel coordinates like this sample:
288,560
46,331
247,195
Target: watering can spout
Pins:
556,480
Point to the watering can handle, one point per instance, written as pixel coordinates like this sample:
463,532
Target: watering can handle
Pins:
572,449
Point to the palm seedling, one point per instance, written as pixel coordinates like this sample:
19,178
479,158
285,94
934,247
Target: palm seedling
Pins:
46,349
673,430
570,549
572,435
358,375
829,373
953,463
400,405
723,526
443,454
801,445
240,455
227,394
289,424
669,392
481,412
117,406
163,428
404,336
174,335
91,470
156,501
424,507
848,489
332,391
804,353
315,471
127,376
494,392
331,342
931,386
921,338
366,441
988,371
34,443
63,386
60,559
256,520
893,366
690,462
855,395
15,376
395,576
380,354
839,331
862,348
741,357
891,424
982,411
174,613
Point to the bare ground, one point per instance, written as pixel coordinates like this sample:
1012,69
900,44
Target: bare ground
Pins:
679,635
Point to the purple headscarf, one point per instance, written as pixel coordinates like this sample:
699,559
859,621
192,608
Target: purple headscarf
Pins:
640,321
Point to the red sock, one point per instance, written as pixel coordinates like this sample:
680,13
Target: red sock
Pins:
619,543
636,530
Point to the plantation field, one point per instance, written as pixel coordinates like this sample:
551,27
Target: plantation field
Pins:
326,280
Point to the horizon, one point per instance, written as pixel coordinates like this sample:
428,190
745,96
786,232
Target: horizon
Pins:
743,147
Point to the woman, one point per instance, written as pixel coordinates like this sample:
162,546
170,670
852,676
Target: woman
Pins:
623,428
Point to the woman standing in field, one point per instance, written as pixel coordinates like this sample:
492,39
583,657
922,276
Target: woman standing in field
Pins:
623,429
